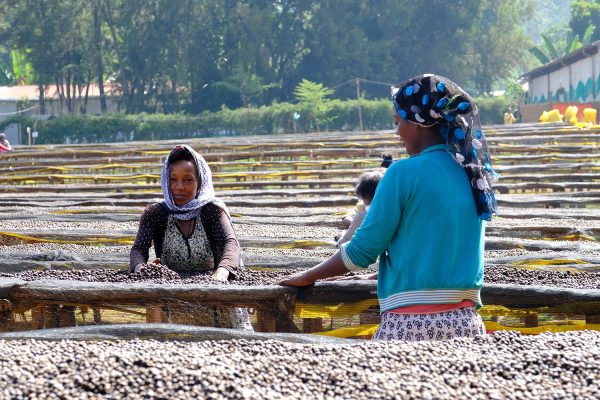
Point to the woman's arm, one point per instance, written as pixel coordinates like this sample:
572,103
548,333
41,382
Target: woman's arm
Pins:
333,266
381,222
224,243
370,239
150,221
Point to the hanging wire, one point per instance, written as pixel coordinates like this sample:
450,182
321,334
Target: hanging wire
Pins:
376,82
20,111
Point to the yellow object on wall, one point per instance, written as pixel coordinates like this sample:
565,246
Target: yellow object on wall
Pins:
571,115
551,116
590,115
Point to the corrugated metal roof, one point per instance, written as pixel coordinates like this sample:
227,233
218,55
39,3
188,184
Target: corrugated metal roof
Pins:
563,61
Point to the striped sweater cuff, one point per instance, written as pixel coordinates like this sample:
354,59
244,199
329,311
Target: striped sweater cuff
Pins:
348,264
440,296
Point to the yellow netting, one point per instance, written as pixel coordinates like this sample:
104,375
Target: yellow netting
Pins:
92,240
538,262
33,178
334,311
302,244
353,331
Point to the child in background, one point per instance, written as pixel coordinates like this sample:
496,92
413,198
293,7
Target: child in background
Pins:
365,191
386,161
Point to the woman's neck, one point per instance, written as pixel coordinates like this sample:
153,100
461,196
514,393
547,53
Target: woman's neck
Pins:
426,141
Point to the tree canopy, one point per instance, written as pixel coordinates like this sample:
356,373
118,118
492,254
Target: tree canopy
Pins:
194,55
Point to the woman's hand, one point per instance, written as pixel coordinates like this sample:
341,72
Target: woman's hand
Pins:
221,274
299,280
141,267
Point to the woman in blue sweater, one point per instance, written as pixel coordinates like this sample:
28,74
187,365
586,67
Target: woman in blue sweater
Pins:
426,221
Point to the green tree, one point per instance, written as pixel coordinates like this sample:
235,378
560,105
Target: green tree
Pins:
145,40
583,15
551,50
197,55
50,35
314,98
498,34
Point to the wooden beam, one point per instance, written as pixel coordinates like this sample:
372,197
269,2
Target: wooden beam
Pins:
270,297
163,332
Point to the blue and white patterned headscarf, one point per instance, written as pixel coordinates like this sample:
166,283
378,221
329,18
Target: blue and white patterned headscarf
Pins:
429,100
205,194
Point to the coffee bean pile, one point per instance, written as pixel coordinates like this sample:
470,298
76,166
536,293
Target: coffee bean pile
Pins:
505,365
153,274
161,274
519,276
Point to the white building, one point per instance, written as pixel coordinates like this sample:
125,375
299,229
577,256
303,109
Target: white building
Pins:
573,79
24,99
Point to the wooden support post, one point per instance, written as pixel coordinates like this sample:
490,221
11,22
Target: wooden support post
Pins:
7,317
311,325
531,321
592,319
37,317
155,314
371,316
51,316
66,316
97,315
266,319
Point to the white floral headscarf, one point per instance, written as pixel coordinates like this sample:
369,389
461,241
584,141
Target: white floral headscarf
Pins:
205,194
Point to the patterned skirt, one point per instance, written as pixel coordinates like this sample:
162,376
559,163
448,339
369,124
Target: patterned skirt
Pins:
462,322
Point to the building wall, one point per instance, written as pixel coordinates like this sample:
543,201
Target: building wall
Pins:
578,82
11,131
53,106
9,107
532,112
538,90
559,82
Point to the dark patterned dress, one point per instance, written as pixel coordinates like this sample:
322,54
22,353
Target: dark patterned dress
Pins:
186,254
212,244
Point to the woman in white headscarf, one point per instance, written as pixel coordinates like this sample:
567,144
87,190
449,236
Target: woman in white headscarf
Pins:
191,229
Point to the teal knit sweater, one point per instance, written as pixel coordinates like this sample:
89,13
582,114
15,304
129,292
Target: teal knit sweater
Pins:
424,226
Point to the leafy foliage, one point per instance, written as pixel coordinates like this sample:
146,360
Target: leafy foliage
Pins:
273,119
173,56
549,51
583,15
313,97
